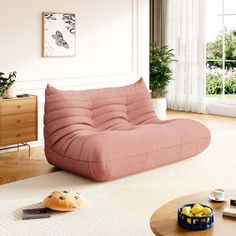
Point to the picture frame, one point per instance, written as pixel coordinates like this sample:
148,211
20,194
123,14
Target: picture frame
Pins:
59,34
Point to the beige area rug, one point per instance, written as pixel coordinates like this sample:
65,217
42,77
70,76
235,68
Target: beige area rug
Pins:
121,207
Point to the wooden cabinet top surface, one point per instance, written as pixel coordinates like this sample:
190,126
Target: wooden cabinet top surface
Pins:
16,98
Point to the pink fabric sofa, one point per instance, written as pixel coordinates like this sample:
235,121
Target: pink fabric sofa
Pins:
109,133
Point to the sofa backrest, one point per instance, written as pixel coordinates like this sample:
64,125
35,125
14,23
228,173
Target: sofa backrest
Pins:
97,109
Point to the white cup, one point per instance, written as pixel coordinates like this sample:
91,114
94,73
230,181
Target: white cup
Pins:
218,194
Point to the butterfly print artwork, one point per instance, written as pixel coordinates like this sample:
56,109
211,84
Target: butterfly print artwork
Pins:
59,34
59,39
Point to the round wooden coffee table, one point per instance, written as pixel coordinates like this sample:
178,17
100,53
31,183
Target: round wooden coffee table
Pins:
164,219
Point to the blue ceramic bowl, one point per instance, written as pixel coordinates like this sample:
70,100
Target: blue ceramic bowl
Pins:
195,223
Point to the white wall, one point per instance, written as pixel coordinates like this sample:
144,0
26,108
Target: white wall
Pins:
111,37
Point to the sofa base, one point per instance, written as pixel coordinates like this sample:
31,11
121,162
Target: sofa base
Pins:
104,171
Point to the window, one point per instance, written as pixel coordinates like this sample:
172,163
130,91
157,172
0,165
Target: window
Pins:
221,49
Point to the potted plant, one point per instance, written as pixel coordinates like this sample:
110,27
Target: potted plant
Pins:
6,90
160,75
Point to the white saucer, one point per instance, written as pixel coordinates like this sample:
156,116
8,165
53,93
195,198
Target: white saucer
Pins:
216,200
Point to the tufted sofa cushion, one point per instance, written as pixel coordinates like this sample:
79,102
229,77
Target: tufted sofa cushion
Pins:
113,132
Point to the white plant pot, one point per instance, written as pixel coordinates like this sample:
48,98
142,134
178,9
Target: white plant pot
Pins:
160,106
10,93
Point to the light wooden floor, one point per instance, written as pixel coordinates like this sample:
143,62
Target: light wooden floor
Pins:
17,165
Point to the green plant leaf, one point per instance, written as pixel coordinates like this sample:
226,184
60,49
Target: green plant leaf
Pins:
160,60
6,83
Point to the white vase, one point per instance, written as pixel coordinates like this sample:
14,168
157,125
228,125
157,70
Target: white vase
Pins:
160,106
10,93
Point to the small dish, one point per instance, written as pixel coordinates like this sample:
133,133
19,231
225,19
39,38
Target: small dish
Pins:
216,200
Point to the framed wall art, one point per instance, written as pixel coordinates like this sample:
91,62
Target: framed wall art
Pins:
58,34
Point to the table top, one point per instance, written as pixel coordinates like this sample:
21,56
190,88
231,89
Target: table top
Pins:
164,219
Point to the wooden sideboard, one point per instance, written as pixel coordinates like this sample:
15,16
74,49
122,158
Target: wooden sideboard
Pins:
18,120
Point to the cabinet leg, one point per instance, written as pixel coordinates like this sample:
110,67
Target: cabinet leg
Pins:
29,148
17,146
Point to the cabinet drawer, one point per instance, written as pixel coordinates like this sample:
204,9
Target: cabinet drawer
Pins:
18,121
17,106
15,136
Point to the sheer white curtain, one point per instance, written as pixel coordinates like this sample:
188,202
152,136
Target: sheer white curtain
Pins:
184,31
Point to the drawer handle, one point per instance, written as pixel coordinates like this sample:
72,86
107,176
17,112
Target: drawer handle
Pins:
18,121
18,135
19,106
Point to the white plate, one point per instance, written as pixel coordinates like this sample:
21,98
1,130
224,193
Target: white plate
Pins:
216,200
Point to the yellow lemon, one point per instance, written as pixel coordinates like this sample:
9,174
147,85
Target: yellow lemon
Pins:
186,210
198,214
206,211
196,208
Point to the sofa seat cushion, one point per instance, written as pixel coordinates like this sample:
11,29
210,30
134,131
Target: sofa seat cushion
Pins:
109,133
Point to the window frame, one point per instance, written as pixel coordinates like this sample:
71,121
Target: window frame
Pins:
223,60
